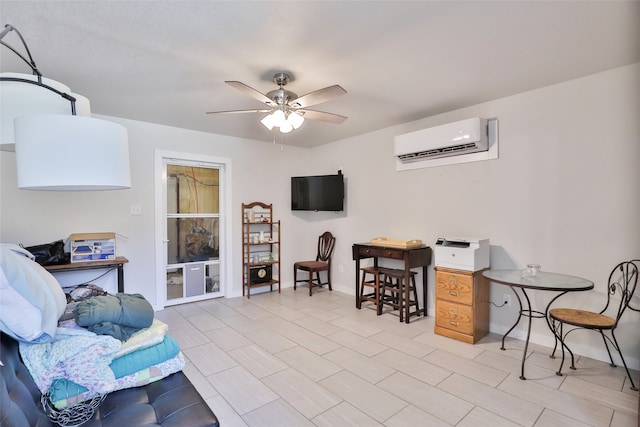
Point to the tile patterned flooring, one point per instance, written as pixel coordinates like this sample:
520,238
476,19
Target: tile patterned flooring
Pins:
293,360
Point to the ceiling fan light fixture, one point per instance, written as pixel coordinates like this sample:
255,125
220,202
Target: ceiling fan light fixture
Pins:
286,122
295,119
267,121
278,118
286,127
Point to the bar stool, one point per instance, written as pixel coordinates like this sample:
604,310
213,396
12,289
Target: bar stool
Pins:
397,297
394,298
374,283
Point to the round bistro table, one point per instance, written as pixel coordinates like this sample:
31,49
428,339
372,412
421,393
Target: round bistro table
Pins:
542,281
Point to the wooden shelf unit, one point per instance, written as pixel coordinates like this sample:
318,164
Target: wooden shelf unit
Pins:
260,247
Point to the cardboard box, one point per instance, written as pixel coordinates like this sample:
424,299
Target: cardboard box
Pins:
92,246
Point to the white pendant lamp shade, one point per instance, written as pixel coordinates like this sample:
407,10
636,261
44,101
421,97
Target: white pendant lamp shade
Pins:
49,82
58,145
66,152
20,99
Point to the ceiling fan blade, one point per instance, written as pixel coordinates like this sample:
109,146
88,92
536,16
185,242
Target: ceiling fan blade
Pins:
247,90
237,111
322,116
318,96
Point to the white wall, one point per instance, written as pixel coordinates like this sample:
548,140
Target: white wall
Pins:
32,217
564,194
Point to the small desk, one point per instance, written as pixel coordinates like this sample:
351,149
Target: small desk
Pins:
412,258
118,263
542,281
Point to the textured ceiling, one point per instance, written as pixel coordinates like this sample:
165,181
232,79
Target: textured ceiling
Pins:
166,61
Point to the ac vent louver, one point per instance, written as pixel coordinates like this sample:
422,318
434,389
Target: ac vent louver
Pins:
438,152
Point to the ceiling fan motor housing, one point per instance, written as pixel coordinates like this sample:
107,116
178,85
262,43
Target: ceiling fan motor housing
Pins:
281,96
281,79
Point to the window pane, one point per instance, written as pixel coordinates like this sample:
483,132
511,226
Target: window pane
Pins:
192,239
192,190
175,288
212,278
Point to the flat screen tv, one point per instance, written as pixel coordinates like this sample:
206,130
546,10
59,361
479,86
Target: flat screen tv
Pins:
317,193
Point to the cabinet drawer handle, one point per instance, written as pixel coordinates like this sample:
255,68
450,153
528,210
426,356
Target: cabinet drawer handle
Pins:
454,293
454,323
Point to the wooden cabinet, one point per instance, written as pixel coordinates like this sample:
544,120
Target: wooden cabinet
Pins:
462,304
260,247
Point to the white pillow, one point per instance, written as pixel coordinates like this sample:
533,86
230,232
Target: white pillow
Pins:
19,250
31,299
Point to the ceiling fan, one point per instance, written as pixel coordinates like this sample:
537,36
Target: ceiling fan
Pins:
285,109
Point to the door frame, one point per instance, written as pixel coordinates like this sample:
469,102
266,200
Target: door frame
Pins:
226,219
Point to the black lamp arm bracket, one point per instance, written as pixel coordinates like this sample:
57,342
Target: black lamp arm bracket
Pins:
32,64
40,84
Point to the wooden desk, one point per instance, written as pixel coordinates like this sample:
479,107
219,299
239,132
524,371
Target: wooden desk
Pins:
412,258
118,263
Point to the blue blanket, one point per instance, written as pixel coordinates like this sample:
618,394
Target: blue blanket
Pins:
119,316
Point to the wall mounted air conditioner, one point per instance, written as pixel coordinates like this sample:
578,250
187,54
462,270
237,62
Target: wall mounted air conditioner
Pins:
453,139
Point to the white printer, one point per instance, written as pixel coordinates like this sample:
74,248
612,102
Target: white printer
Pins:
469,254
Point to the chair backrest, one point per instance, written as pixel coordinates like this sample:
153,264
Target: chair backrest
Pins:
326,243
623,280
637,297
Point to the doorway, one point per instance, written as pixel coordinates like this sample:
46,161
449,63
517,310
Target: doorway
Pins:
191,227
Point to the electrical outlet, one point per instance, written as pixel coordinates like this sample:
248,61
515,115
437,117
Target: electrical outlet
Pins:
507,300
341,268
135,210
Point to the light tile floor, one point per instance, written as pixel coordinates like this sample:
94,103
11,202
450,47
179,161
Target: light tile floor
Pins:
293,360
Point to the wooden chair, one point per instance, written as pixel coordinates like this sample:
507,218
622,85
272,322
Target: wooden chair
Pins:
326,244
622,284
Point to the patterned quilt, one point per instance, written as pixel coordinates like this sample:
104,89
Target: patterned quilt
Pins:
78,364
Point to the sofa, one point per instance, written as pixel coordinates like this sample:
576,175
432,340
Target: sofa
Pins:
129,374
172,401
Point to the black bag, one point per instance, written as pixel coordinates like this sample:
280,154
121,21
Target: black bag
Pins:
50,253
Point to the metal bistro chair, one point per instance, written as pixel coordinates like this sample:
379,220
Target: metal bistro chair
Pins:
326,243
622,282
